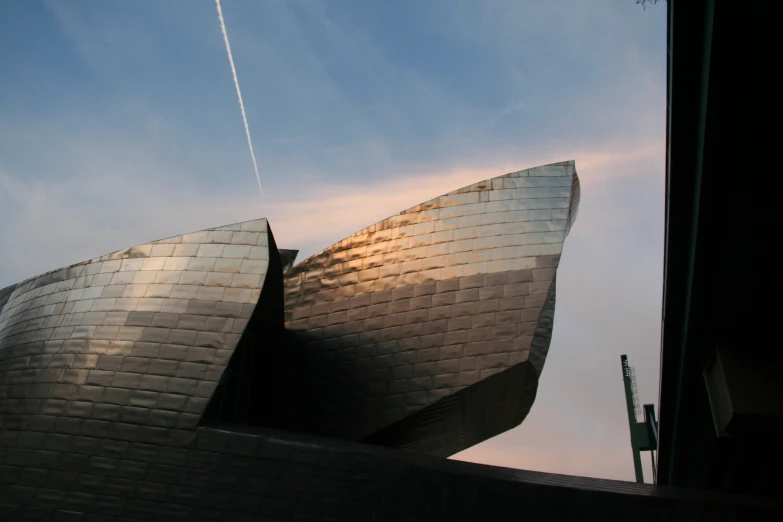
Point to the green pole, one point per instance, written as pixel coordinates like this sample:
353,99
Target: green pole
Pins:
637,459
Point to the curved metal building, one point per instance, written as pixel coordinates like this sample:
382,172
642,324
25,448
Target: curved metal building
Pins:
165,365
429,329
141,336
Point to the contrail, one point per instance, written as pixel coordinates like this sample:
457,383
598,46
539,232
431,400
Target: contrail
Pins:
239,95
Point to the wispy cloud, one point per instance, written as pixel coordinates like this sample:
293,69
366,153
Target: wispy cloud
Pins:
239,95
311,219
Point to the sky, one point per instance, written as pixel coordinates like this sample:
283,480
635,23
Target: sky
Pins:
119,125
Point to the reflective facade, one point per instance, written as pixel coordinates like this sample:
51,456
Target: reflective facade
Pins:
429,329
141,336
174,375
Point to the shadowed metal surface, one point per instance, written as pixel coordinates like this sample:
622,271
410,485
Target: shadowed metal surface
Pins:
141,336
287,258
398,324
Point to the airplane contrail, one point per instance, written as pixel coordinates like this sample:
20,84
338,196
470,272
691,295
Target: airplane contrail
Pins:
239,95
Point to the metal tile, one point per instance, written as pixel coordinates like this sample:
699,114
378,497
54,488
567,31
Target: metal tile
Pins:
195,237
127,304
144,277
185,250
173,305
149,304
158,290
253,266
257,225
162,250
121,278
459,258
237,295
245,238
549,171
237,251
210,251
171,277
176,263
102,304
201,264
110,266
209,293
153,263
182,291
101,279
135,290
219,236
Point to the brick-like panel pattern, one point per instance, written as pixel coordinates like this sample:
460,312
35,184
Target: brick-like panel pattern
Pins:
139,337
94,474
473,414
497,225
392,353
462,419
420,306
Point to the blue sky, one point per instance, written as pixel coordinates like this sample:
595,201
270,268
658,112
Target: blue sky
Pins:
119,124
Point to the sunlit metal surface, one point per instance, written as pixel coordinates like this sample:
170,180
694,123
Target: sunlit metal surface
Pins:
493,226
395,326
140,336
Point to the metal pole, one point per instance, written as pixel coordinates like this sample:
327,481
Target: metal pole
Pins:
637,460
654,471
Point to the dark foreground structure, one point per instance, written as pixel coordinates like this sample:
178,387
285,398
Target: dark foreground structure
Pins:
721,399
192,379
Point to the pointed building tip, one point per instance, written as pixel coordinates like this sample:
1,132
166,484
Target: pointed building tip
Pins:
287,258
567,163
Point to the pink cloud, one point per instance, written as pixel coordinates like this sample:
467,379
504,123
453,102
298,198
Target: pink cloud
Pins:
333,212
